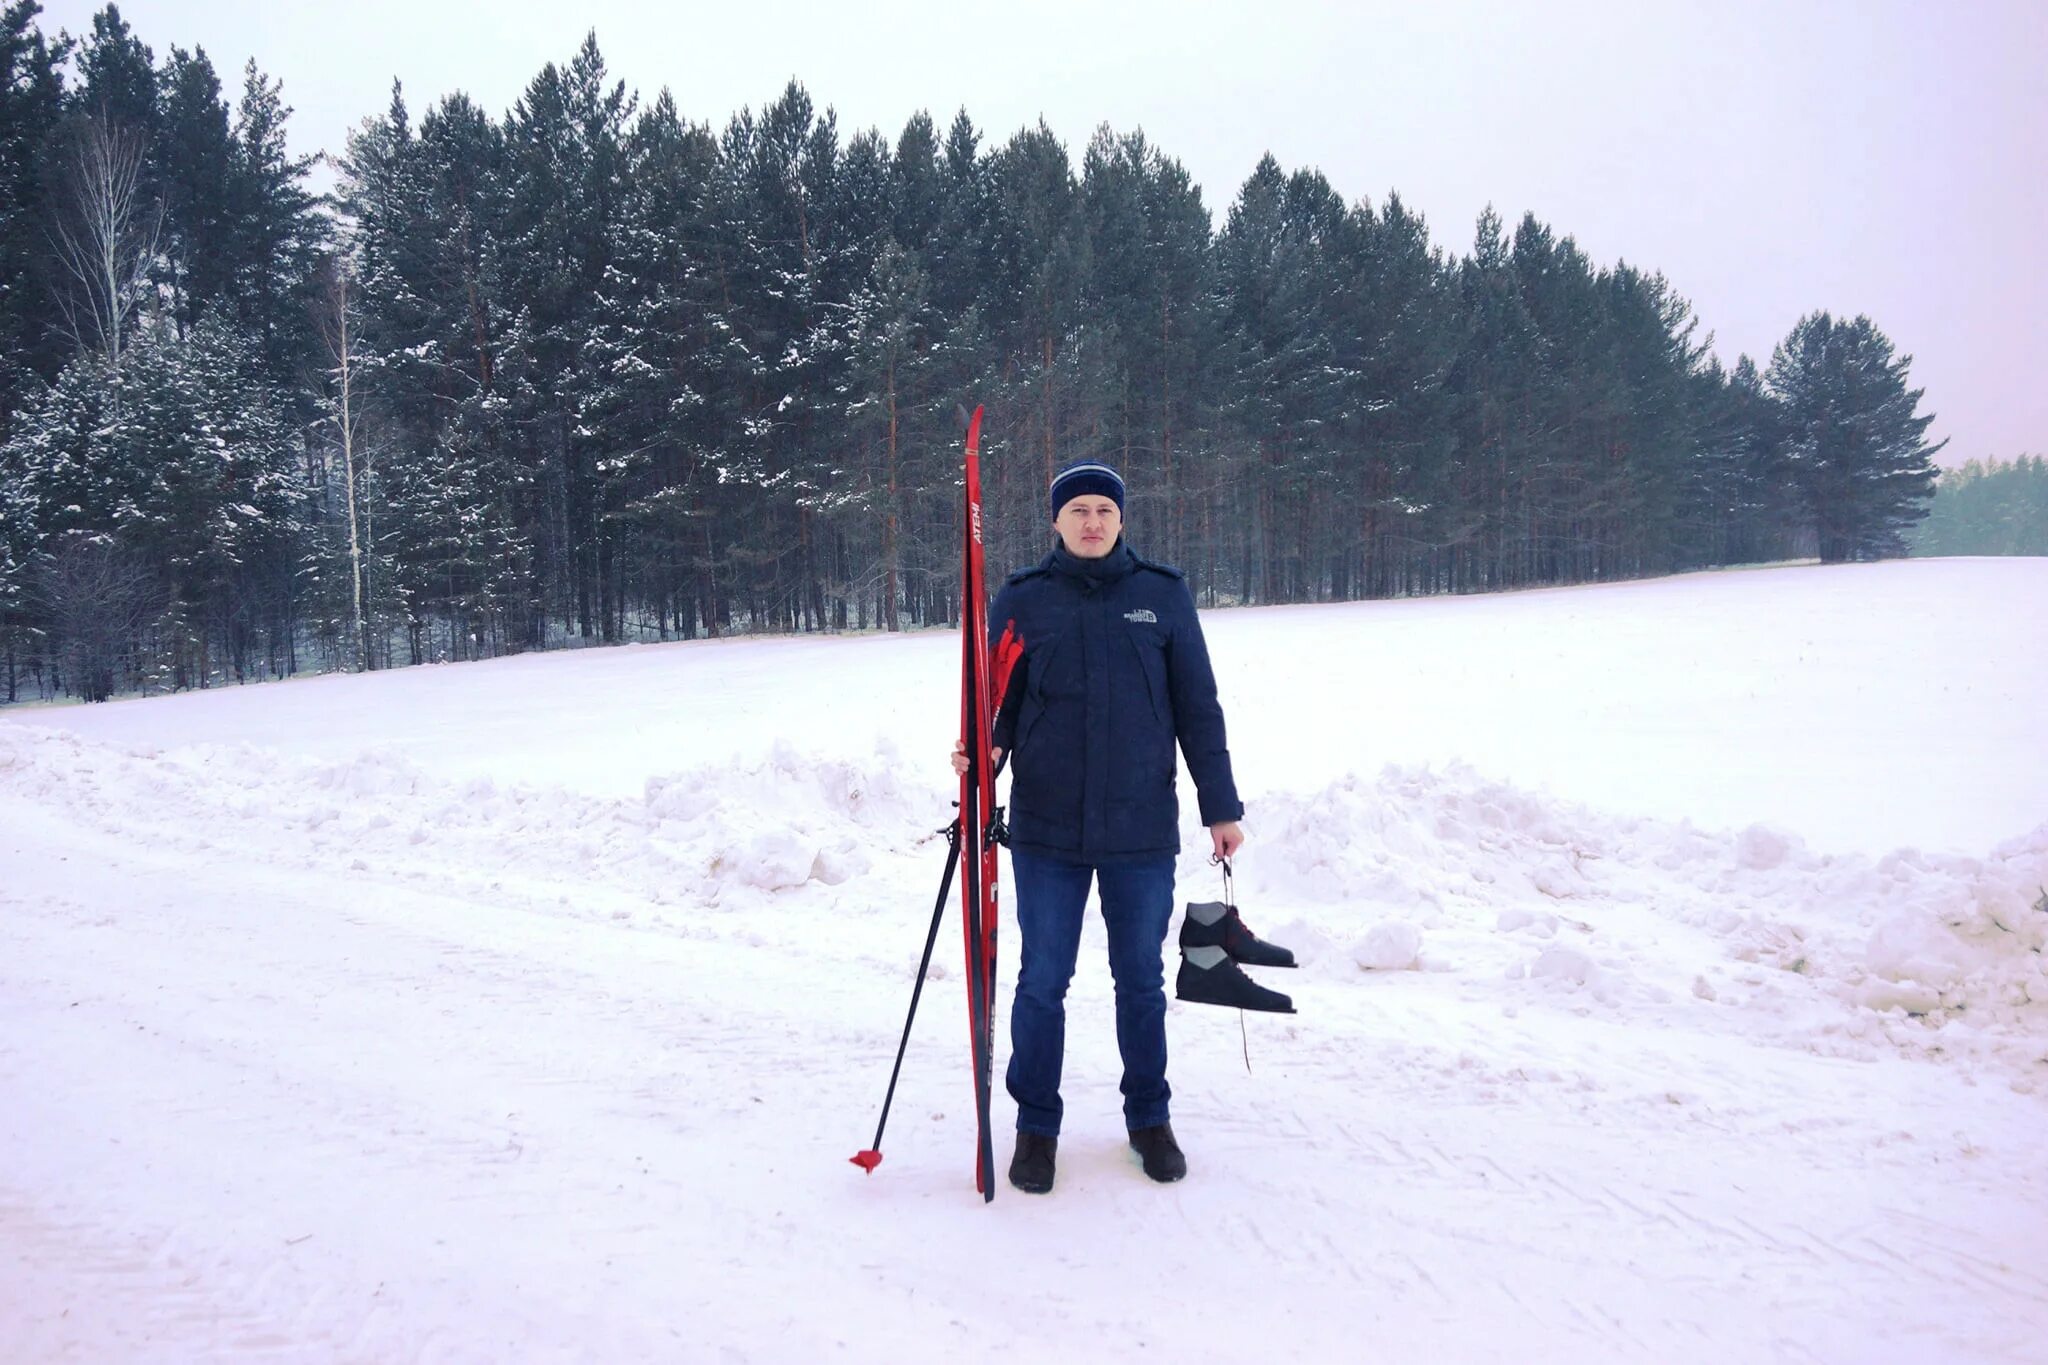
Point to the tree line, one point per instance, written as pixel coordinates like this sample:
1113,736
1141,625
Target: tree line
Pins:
592,371
1988,507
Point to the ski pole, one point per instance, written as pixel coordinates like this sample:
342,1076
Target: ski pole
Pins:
872,1157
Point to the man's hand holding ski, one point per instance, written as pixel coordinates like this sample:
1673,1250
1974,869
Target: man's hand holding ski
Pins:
995,757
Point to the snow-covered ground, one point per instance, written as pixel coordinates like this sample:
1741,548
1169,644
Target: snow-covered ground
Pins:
1673,990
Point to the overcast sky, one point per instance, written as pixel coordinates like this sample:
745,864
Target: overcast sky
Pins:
1771,159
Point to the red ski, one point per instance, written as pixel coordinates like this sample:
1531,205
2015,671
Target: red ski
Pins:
977,815
972,838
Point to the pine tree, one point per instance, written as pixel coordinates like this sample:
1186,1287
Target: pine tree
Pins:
218,511
1654,364
468,504
454,562
117,76
1034,279
51,450
1498,363
781,348
196,154
647,405
955,256
892,328
57,506
1278,265
18,554
1397,329
31,104
565,191
179,459
1564,457
929,290
856,229
966,365
275,230
1856,441
1743,505
1149,319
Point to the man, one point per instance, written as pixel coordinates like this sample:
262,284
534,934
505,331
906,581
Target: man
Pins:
1114,672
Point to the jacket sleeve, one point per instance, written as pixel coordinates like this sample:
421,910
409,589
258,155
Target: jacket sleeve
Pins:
1198,716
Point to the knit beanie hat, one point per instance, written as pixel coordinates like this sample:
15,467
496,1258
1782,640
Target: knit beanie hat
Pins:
1085,477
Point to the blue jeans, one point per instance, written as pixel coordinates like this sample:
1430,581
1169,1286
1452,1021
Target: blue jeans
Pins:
1137,905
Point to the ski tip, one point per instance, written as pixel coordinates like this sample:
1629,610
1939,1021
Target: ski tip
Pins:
867,1160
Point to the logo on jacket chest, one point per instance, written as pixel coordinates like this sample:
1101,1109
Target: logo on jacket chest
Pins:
1141,614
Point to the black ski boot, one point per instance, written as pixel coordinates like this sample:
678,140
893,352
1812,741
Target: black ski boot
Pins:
1160,1153
1227,931
1031,1167
1225,984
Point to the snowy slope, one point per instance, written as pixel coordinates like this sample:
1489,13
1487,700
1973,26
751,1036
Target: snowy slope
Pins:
1667,995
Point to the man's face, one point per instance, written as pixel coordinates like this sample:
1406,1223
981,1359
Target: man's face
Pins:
1089,525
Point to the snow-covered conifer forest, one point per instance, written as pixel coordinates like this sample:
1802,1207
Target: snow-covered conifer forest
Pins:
601,367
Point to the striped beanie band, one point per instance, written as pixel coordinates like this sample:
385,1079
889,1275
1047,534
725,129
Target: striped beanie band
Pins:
1080,479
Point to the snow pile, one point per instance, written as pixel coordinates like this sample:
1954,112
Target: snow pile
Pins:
1986,954
1928,953
1417,869
1390,946
720,834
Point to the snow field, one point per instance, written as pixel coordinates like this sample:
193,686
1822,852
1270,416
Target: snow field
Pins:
530,1010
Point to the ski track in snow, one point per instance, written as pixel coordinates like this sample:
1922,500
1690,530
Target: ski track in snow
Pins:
336,1057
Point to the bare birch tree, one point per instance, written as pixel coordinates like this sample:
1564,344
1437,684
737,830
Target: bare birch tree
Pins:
106,231
337,320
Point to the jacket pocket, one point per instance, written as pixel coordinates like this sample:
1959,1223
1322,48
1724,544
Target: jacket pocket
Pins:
1028,716
1141,744
1151,653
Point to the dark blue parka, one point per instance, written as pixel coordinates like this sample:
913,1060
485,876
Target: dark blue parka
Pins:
1114,672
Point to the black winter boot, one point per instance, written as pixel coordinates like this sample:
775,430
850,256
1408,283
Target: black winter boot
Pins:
1160,1153
1226,984
1031,1167
1228,932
